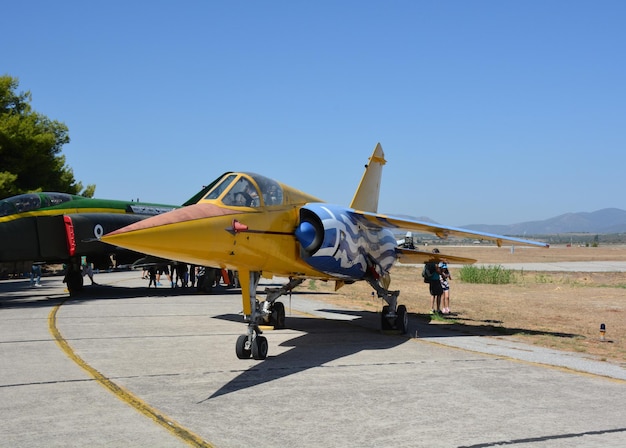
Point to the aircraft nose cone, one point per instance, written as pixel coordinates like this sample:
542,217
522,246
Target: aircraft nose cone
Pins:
181,231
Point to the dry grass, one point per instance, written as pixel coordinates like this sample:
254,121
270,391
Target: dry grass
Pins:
561,310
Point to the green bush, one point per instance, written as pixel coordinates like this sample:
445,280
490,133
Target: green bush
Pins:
495,275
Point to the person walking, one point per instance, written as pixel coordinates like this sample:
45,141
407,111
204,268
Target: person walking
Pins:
35,275
87,270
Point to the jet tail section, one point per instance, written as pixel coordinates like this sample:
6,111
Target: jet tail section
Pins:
366,196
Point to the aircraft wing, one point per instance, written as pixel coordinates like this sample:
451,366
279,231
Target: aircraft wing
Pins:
414,256
443,232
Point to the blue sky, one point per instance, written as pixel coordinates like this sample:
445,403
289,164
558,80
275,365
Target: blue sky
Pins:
490,112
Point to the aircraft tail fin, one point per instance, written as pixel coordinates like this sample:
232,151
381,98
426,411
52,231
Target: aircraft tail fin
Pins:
366,196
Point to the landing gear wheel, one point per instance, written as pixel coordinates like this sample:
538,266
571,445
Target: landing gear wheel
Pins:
384,322
74,282
259,348
278,315
402,320
240,347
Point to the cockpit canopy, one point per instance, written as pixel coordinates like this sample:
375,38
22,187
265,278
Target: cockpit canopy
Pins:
246,190
32,201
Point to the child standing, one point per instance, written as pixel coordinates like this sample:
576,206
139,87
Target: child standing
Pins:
152,276
445,278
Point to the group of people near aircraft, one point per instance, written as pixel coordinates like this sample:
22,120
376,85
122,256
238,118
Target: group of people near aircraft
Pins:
183,275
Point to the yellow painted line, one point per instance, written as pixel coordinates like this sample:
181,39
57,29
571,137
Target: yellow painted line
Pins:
172,426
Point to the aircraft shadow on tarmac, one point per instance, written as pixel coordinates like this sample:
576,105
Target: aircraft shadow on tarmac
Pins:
327,340
455,325
324,341
19,294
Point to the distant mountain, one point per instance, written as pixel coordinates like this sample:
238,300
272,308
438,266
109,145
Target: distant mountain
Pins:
608,220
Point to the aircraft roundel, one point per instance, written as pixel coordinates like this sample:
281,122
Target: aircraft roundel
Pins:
98,231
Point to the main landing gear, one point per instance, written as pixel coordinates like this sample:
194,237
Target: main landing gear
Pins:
393,316
269,312
73,276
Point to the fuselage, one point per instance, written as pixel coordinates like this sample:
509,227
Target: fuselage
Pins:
252,223
211,232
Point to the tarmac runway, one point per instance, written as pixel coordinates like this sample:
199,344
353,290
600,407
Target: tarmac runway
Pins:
126,366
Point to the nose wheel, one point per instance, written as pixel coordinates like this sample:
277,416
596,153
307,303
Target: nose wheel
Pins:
253,345
259,348
242,347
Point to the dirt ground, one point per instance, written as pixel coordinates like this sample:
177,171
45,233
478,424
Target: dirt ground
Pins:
561,310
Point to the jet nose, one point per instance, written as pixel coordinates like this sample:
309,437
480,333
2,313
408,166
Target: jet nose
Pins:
181,231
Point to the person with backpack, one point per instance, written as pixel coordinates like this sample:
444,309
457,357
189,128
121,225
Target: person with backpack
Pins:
431,276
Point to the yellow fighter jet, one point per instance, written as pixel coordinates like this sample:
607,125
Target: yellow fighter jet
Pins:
263,228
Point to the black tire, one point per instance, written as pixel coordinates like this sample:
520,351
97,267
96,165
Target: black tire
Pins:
384,323
402,319
259,348
240,347
74,282
278,315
